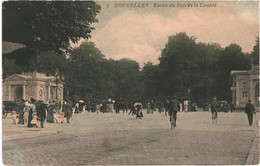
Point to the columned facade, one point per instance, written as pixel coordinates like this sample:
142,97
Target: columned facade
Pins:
245,86
31,85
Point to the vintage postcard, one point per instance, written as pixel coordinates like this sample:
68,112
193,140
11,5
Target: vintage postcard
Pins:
130,82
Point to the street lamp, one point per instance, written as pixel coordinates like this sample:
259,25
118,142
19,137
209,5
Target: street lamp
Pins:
56,81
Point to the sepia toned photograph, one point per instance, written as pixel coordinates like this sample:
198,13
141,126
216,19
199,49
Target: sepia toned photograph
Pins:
130,82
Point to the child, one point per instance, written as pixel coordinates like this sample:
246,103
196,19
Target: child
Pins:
55,117
14,117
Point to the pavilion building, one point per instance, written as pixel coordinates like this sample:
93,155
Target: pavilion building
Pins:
245,86
32,85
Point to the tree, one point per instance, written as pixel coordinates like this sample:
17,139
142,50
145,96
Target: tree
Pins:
178,65
8,67
208,61
255,52
231,58
85,78
150,74
128,79
48,25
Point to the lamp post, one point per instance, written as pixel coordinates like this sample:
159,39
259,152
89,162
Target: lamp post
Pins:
56,81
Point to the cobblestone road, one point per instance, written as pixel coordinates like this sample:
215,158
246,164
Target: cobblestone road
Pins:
116,139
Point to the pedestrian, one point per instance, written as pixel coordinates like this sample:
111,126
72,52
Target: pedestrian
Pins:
250,110
167,107
77,108
132,108
180,106
68,111
160,107
32,118
148,107
50,112
14,117
124,105
153,107
98,107
117,106
214,110
63,112
26,110
138,107
174,108
186,105
41,111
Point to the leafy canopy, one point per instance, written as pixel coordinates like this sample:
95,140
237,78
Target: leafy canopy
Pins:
48,25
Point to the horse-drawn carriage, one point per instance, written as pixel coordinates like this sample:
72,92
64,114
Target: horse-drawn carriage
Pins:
8,107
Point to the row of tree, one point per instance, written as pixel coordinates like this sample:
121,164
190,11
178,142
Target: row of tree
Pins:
186,68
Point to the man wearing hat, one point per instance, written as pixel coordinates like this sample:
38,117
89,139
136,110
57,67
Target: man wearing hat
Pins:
214,110
42,109
174,108
68,110
250,110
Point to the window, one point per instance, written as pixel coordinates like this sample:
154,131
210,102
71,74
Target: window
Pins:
244,94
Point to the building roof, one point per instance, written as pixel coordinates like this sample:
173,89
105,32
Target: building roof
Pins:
254,71
32,76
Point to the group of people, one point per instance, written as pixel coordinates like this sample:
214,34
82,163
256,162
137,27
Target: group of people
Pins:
32,111
174,107
249,110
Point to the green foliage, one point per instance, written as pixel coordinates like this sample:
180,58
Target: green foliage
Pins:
8,67
93,77
48,25
255,53
231,58
48,62
178,65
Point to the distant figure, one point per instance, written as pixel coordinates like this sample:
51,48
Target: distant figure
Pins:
214,110
117,105
148,106
14,117
32,118
180,107
186,104
167,107
138,107
132,108
26,110
174,108
50,118
41,112
77,108
250,110
68,111
98,107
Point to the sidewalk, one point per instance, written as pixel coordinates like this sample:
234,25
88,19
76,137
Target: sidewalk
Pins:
253,157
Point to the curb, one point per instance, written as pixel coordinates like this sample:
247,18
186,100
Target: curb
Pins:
253,157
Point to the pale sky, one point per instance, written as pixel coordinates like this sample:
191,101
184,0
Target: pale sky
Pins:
141,33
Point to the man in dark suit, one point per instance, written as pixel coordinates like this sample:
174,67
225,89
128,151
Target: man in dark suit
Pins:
174,108
214,110
68,111
250,110
41,111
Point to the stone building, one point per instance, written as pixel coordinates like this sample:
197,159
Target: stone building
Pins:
245,86
32,85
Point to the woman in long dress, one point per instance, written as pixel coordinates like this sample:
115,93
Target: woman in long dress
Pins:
26,110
